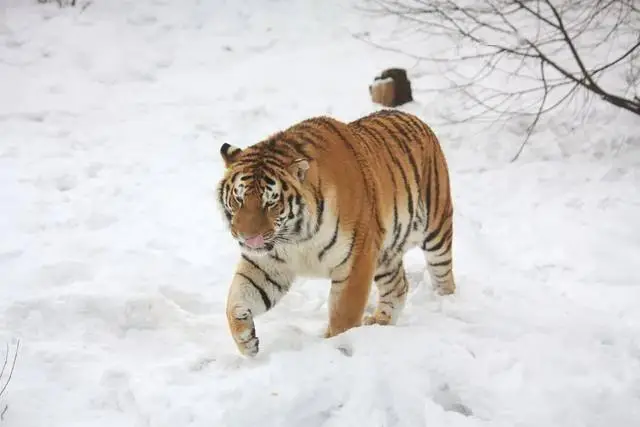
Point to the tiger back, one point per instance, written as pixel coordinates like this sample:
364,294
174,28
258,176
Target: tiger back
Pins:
341,201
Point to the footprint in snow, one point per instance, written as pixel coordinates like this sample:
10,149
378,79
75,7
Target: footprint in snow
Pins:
450,401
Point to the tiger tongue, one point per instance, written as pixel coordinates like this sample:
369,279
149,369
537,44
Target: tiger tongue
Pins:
255,241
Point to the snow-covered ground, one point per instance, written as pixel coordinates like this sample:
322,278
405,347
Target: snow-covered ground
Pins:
114,263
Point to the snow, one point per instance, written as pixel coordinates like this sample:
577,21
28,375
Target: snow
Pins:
114,262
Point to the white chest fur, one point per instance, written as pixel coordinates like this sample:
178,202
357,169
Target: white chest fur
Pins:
318,256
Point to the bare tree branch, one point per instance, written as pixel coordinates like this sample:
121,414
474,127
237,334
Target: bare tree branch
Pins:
489,52
4,383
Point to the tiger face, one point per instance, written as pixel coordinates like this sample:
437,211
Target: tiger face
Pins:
262,204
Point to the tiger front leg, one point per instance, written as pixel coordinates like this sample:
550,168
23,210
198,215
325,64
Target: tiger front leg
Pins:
255,289
348,297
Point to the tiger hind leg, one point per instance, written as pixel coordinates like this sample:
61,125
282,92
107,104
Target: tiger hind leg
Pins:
392,287
437,248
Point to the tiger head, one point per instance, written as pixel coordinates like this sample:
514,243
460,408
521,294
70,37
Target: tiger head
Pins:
262,198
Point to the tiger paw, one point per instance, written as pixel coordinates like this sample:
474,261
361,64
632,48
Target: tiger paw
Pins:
445,289
327,333
249,348
243,331
377,319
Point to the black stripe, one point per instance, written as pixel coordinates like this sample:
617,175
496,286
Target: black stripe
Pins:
313,136
404,290
220,195
396,219
271,142
432,201
260,161
396,235
427,194
440,264
436,196
440,242
349,253
319,208
221,198
300,205
290,204
261,157
302,136
317,144
381,276
275,257
448,238
447,248
319,214
432,235
427,133
390,291
384,260
263,294
272,149
267,169
393,277
334,239
338,281
294,146
269,279
413,123
443,275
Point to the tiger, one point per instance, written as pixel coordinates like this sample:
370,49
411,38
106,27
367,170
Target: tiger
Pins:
336,200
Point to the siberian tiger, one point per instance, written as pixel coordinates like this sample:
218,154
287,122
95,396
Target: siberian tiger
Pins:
335,200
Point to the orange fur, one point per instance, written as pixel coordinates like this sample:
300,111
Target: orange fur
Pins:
343,201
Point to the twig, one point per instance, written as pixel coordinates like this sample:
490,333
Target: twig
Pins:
533,124
85,6
6,359
13,365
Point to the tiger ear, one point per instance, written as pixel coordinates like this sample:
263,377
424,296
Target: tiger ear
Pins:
299,169
229,154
